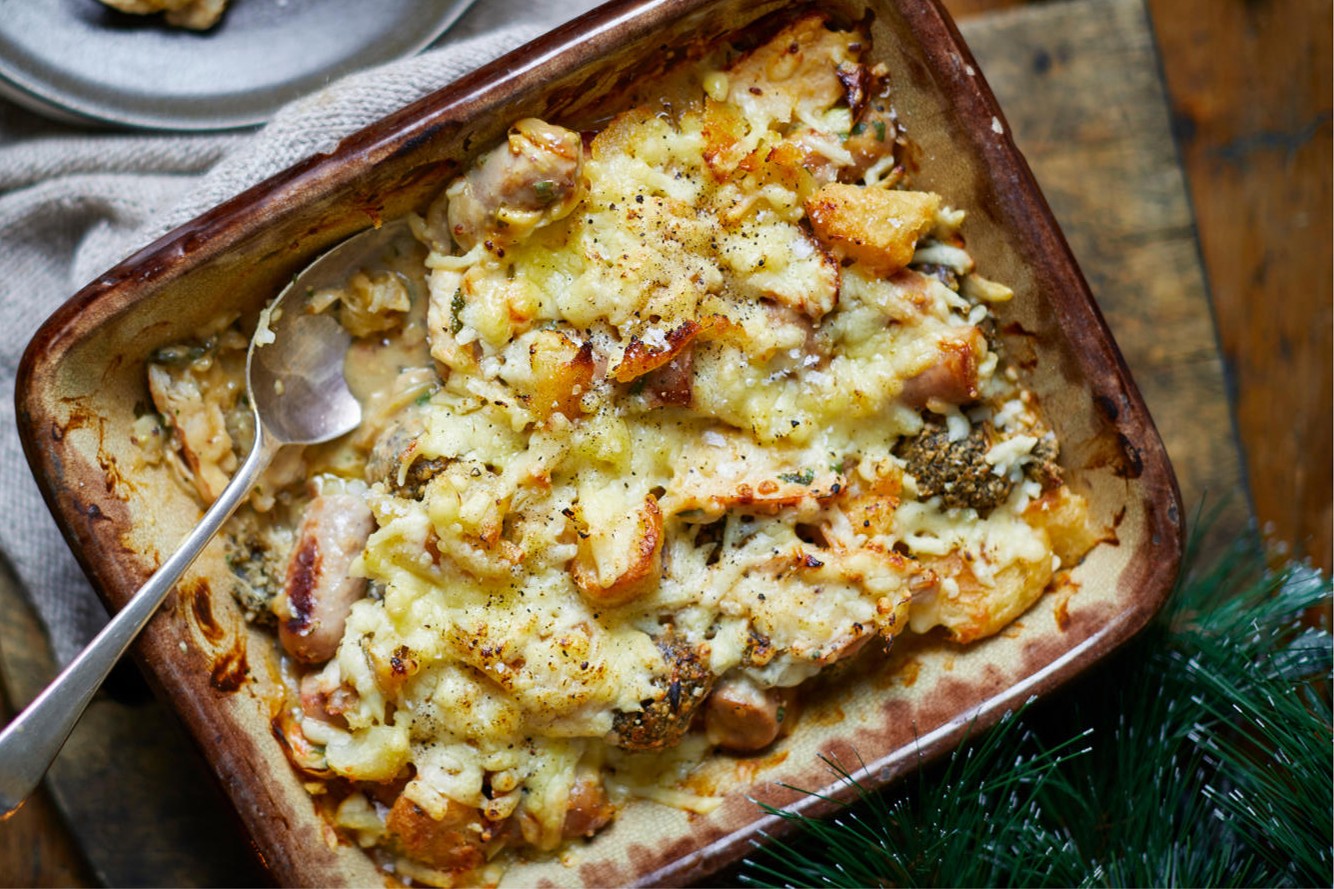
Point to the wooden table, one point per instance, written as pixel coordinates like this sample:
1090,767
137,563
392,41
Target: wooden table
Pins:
1224,313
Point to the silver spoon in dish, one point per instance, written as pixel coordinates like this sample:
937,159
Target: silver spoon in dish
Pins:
298,396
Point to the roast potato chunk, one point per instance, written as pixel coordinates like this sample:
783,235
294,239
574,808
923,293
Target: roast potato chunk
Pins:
619,563
874,226
453,842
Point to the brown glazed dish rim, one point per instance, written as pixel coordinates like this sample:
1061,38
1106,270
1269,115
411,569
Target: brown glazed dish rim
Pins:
516,75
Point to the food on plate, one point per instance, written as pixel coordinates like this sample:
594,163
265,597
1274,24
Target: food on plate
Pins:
663,421
197,15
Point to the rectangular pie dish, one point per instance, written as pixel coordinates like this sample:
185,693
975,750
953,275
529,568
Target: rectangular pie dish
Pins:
82,381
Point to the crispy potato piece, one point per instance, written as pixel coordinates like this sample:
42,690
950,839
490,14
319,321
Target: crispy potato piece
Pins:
453,843
803,58
562,371
668,366
616,565
642,357
735,472
788,164
724,129
972,610
874,226
1064,515
870,506
792,77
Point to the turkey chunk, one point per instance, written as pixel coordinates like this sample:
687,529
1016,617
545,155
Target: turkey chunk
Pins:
530,180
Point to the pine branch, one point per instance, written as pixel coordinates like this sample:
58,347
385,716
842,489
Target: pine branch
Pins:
1199,755
984,837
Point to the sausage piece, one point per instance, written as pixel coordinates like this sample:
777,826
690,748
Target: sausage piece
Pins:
588,810
318,593
324,702
742,717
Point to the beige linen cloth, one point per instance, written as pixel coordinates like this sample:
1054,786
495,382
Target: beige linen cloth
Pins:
74,201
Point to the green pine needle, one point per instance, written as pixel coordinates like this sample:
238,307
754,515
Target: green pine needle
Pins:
977,837
1199,755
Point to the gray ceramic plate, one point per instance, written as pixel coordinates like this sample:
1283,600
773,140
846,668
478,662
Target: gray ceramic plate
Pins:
78,59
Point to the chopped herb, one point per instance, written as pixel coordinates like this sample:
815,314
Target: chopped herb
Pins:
805,477
860,128
179,355
880,130
782,713
545,190
456,311
836,468
425,397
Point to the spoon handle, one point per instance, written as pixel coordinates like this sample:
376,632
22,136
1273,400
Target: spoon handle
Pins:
32,739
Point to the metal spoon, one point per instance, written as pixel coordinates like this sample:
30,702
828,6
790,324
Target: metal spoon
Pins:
298,395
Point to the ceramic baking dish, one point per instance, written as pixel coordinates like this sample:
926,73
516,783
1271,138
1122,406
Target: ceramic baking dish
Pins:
82,380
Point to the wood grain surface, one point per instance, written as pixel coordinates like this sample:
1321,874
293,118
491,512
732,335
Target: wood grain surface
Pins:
1250,87
1248,96
36,847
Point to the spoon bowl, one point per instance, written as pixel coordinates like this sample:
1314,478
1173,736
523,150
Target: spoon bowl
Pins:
294,369
298,395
